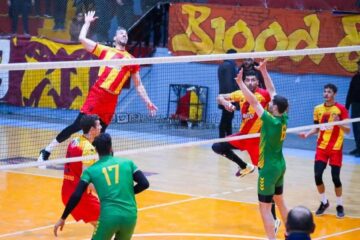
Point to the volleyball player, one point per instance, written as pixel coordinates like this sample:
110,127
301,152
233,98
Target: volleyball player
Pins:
271,160
88,208
329,146
103,95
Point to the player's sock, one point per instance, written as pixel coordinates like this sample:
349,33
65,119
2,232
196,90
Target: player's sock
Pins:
52,145
273,211
323,198
339,201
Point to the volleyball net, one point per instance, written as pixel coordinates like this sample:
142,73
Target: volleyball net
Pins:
39,99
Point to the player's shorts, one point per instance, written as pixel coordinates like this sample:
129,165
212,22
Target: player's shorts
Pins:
88,209
270,178
101,103
121,226
334,157
251,145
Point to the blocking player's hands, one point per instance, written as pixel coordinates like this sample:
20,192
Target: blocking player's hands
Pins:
90,17
239,77
60,224
152,108
120,2
262,66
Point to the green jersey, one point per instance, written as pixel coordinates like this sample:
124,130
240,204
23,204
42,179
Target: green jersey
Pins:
113,180
272,136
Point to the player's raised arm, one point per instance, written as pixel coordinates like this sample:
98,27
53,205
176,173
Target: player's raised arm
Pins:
267,79
88,44
143,94
250,97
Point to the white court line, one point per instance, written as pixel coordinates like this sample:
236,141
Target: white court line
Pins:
338,233
31,230
197,235
170,203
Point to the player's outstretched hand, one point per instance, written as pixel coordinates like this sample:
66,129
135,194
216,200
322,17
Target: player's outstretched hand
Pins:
302,135
152,108
90,17
60,224
239,77
262,66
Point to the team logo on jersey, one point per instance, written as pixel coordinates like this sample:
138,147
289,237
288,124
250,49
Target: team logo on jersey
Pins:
262,183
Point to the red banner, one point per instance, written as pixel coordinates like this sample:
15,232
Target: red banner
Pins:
212,29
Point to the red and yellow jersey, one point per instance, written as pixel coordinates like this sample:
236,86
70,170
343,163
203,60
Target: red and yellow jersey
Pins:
250,120
112,79
78,147
330,138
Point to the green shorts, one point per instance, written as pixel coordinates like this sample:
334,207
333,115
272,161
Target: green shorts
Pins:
122,227
269,179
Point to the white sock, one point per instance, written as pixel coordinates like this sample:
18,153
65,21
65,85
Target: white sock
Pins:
323,198
339,201
52,145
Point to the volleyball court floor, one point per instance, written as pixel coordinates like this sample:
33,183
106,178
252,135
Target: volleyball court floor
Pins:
193,194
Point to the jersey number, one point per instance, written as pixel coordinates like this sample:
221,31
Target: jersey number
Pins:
107,170
283,133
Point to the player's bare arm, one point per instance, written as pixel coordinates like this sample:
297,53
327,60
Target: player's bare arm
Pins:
88,44
249,96
267,79
224,100
143,94
309,133
345,127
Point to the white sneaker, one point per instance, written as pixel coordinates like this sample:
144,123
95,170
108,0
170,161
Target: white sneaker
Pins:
277,224
249,169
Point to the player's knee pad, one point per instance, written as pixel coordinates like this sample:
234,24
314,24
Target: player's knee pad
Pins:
319,170
335,174
217,148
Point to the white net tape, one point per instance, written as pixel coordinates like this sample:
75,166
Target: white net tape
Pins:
179,59
170,146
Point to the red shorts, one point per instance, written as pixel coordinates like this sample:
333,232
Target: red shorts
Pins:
334,157
101,103
251,145
88,209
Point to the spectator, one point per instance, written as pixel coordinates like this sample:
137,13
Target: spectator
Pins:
125,13
76,25
226,75
48,12
105,11
59,15
17,7
353,100
300,224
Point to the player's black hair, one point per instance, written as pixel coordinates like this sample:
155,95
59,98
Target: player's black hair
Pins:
281,103
231,50
103,144
251,72
88,121
331,86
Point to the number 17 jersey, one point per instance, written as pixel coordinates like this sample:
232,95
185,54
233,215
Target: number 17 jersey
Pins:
114,184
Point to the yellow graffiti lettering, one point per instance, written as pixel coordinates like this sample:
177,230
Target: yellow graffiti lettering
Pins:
219,25
239,27
352,37
274,30
313,22
195,38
